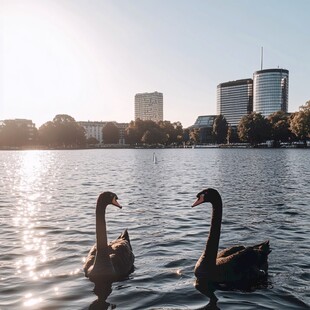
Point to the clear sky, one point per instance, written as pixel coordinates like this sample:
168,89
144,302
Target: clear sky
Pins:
88,58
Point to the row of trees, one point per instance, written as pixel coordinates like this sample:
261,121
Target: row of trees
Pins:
279,127
64,131
149,132
255,128
13,134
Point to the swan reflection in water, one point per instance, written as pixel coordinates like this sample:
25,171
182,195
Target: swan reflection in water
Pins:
208,289
102,289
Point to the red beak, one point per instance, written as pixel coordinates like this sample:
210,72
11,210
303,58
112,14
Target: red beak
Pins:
115,203
198,201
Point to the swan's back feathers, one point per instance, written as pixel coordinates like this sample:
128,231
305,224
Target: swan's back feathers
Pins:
245,266
261,247
230,251
125,236
262,251
121,255
237,266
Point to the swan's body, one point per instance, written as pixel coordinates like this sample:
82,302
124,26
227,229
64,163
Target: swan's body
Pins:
234,267
111,261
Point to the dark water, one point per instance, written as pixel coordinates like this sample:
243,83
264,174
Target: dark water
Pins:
47,214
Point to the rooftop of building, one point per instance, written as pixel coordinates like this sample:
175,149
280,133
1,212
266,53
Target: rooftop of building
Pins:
155,92
235,83
204,121
272,70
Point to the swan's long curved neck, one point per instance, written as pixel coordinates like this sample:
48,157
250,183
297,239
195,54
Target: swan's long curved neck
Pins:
102,264
213,240
101,230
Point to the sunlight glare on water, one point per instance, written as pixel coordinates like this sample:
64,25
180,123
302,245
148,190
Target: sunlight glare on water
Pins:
32,248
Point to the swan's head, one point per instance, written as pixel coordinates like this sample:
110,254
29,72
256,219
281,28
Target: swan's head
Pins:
108,198
207,195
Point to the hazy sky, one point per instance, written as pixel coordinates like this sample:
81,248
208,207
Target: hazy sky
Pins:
88,58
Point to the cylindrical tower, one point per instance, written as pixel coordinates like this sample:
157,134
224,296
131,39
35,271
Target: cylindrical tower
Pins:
270,91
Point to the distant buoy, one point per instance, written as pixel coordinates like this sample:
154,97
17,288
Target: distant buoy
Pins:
154,158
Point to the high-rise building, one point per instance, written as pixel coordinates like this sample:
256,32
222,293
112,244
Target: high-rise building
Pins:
270,91
149,106
234,100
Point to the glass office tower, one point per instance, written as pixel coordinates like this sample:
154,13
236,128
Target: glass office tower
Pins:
235,99
270,91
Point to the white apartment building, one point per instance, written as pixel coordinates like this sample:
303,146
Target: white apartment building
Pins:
94,130
149,106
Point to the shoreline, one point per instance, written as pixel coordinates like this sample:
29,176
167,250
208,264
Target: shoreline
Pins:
197,146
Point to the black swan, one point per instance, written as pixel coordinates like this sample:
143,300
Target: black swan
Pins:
113,261
235,267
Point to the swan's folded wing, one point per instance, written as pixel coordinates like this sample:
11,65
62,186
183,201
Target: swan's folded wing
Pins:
90,259
125,236
240,266
229,251
122,257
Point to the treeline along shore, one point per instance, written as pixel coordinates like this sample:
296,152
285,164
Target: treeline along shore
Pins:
254,130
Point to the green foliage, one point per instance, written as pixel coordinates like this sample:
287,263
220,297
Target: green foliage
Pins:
149,132
253,128
186,136
279,125
172,131
92,141
110,133
220,128
194,136
300,122
232,135
154,136
48,134
16,133
63,131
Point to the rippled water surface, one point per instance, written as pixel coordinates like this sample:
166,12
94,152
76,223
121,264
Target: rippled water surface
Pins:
47,214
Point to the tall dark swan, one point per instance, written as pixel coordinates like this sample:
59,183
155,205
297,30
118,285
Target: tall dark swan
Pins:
113,261
235,267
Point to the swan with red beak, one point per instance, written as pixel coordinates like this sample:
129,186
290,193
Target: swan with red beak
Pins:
108,261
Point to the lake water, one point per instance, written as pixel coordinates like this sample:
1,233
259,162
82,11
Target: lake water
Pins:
47,214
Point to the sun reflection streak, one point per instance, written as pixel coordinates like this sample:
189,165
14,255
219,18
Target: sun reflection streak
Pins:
27,215
56,290
31,301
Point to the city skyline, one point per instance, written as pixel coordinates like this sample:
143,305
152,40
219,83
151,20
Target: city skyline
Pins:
89,59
